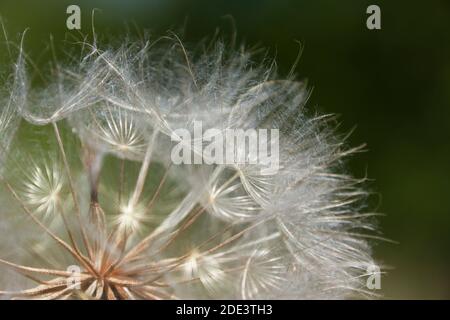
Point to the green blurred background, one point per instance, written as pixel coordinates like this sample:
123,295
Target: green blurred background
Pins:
394,84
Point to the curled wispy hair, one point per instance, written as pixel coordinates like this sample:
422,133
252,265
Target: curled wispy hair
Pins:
140,227
13,90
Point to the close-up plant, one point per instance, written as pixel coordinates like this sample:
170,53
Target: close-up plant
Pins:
176,151
88,172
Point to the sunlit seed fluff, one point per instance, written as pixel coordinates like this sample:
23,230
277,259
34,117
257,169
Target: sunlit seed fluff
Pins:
13,88
139,226
112,129
42,189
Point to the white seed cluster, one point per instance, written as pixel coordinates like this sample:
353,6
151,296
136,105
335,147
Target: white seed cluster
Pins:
87,180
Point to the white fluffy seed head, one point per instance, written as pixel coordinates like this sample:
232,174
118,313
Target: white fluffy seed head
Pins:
192,231
113,130
42,189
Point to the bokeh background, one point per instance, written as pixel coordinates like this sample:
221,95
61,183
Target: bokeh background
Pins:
393,84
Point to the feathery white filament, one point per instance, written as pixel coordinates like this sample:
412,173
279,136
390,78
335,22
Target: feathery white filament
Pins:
217,231
42,189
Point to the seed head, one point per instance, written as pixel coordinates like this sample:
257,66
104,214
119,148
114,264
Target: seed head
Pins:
141,227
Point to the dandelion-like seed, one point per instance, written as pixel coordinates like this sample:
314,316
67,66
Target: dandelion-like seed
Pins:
42,190
140,227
